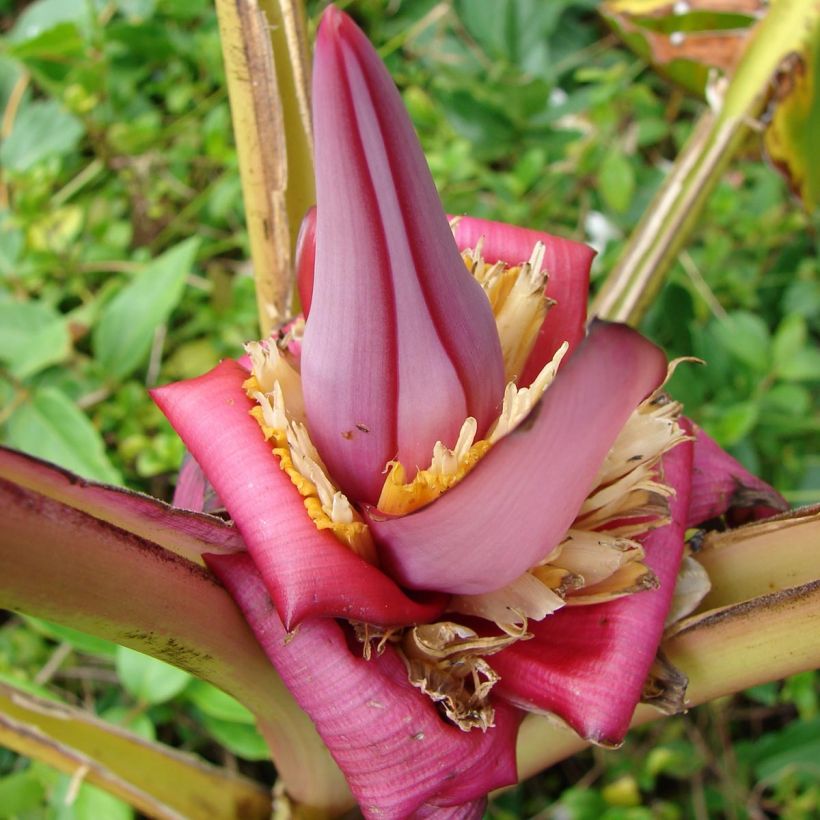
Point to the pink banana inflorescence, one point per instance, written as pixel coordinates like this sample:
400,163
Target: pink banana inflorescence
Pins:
426,491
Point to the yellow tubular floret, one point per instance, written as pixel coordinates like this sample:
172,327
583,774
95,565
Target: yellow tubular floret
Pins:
596,561
276,387
519,302
447,468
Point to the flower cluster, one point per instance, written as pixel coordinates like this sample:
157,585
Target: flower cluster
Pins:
457,501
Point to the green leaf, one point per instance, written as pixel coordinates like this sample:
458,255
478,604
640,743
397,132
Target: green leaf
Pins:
57,42
79,640
11,246
148,679
51,426
795,748
803,297
803,691
765,693
788,341
788,399
137,9
32,337
215,703
42,129
486,126
616,181
90,803
137,722
746,337
675,759
57,230
20,793
240,738
126,328
652,130
804,366
516,31
44,15
734,422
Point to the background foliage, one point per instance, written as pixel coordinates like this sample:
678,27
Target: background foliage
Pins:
123,264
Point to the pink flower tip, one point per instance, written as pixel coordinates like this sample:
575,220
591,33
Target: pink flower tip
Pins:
400,345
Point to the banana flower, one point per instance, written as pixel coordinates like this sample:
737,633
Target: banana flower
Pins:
457,504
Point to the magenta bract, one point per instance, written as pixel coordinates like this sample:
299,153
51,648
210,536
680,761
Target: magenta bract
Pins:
305,261
390,741
308,572
400,347
515,507
400,344
721,485
568,265
588,664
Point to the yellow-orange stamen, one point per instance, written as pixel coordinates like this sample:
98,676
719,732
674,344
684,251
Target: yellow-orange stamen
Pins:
276,388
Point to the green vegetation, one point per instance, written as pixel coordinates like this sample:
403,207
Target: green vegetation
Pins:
123,263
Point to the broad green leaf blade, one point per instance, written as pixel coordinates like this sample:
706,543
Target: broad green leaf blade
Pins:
185,533
86,802
791,138
58,42
804,366
32,336
511,30
156,779
788,342
67,566
43,15
42,129
11,236
20,793
216,703
616,181
733,422
127,717
746,337
792,751
125,331
148,679
240,738
49,425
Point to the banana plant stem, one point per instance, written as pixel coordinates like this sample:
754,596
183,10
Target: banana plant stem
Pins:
675,211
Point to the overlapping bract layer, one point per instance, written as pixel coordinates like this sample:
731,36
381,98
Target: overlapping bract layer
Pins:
396,750
508,514
392,301
400,347
567,264
308,572
606,650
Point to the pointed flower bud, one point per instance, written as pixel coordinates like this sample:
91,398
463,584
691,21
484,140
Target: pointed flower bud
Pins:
306,259
400,345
